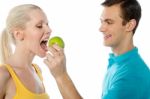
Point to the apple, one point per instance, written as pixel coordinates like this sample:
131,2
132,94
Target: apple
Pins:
56,40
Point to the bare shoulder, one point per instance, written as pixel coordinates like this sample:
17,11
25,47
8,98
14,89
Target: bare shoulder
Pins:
4,74
4,77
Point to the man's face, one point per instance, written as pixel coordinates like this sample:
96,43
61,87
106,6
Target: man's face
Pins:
111,26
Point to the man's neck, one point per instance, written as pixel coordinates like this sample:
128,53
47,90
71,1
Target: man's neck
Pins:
123,48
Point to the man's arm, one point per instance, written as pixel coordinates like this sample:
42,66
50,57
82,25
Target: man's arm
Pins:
123,86
56,62
67,87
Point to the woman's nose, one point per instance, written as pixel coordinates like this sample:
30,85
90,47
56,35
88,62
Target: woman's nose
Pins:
48,30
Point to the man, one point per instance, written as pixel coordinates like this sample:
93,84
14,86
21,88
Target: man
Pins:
128,77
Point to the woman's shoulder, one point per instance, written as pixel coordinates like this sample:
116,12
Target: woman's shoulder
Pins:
4,78
4,74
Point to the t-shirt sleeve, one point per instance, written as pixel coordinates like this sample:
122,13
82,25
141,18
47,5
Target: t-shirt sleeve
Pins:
123,86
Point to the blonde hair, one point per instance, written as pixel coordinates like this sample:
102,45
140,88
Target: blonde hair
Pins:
17,18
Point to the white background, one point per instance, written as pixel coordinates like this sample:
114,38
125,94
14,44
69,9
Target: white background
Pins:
77,22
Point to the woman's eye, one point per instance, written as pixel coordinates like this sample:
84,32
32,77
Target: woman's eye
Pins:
39,26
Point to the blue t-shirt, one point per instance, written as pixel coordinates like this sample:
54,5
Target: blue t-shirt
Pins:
128,77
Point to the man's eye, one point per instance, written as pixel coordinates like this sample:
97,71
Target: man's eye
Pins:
108,22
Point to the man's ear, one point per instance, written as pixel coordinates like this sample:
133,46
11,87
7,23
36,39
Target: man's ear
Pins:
131,25
18,35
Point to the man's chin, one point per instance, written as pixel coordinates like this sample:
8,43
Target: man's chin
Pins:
107,45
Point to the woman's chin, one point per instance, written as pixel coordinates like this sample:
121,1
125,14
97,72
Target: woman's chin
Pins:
42,55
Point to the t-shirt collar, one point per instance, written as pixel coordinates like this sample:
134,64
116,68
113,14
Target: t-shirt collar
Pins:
117,59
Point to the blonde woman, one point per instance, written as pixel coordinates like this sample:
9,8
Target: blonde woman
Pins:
27,27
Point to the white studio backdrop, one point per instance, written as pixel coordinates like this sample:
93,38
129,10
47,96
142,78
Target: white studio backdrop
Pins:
77,22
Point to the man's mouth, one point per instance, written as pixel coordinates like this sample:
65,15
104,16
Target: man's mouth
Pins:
107,36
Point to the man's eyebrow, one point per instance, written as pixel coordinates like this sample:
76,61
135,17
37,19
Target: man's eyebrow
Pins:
106,20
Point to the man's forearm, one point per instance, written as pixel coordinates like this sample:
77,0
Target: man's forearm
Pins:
67,88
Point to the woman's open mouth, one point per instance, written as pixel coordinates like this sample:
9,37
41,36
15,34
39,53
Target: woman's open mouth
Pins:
43,45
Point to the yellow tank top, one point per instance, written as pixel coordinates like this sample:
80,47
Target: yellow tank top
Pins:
21,91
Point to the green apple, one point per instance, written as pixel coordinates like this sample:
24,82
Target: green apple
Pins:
56,40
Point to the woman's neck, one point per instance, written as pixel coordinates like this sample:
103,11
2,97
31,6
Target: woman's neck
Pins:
21,57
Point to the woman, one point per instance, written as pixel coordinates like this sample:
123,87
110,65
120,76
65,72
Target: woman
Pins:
27,27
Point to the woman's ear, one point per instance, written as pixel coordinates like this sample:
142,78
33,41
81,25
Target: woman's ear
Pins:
18,35
131,25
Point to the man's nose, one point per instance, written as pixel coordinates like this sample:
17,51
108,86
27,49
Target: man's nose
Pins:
102,28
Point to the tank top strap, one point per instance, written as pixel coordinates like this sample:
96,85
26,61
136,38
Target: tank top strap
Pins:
13,74
38,71
21,91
